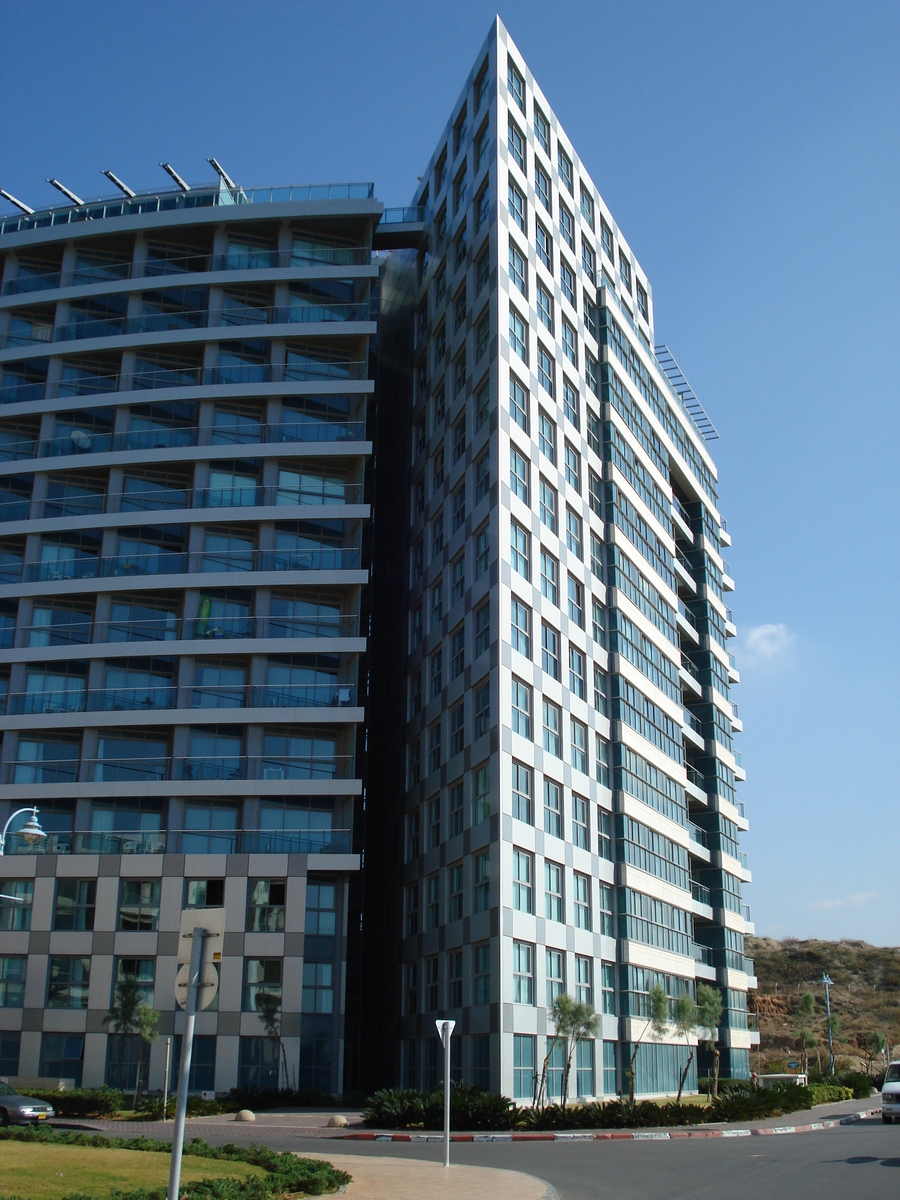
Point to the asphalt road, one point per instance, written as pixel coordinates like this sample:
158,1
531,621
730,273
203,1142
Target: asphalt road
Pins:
843,1163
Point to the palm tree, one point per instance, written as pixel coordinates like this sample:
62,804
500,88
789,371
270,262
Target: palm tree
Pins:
573,1021
709,1014
268,1009
128,1016
658,1011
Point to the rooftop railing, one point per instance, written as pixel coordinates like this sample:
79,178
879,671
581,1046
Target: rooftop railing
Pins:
203,196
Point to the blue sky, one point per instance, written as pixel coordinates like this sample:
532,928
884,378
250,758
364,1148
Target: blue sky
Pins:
749,152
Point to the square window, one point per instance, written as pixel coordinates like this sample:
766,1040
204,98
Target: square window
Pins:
457,652
580,829
481,870
482,403
552,717
482,477
544,246
567,225
546,370
481,973
547,436
523,881
521,709
516,83
482,628
518,403
518,207
482,706
516,144
545,307
578,746
481,794
542,186
573,467
520,634
587,206
577,671
576,602
482,550
518,337
567,280
574,537
517,269
523,977
522,793
550,650
554,904
542,130
556,974
549,577
520,550
570,342
455,816
549,506
566,173
519,468
552,808
69,982
584,976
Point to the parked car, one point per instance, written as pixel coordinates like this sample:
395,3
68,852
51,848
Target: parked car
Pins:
890,1094
22,1110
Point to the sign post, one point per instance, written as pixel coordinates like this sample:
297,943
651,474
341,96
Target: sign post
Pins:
445,1029
199,945
166,1081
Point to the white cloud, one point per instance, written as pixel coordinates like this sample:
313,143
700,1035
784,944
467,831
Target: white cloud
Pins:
766,645
855,901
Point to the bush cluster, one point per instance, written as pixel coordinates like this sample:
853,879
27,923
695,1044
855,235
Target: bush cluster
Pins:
83,1102
284,1173
829,1093
859,1083
472,1109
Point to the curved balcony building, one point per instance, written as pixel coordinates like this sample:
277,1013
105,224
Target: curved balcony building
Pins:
184,397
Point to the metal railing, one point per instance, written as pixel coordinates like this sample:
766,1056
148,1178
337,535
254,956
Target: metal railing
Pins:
202,196
698,835
183,767
695,777
224,841
692,722
679,509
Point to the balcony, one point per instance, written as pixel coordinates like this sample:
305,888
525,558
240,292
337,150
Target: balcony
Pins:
308,695
198,197
703,954
162,768
224,841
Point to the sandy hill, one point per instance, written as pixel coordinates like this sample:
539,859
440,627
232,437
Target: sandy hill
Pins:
865,996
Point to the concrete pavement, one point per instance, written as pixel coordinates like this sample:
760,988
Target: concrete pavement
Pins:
412,1179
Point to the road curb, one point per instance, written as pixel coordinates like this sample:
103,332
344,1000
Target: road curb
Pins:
637,1135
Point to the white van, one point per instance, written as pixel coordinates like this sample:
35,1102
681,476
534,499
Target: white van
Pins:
890,1094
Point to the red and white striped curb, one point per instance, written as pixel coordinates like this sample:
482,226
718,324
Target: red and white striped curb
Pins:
639,1135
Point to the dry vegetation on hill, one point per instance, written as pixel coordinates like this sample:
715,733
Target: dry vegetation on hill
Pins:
865,997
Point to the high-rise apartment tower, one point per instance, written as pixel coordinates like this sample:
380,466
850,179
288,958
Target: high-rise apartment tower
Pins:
570,822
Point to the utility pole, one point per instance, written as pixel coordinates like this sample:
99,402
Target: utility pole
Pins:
445,1030
187,1045
826,979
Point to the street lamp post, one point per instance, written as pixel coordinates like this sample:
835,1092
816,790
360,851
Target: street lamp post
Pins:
826,979
31,831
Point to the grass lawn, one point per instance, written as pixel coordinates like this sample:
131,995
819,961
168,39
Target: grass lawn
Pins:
43,1172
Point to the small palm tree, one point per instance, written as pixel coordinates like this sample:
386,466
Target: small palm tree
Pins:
658,1012
686,1020
709,1014
268,1009
573,1021
128,1016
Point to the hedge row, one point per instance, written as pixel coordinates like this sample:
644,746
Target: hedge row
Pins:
284,1173
472,1109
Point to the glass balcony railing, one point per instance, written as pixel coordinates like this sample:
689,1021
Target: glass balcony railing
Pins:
749,968
692,722
83,567
307,695
695,777
698,835
141,699
53,701
700,893
15,510
157,841
160,768
703,954
202,196
163,562
411,215
37,281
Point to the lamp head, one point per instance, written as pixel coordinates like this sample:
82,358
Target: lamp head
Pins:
31,832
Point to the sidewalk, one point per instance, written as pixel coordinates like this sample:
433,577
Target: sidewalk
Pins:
412,1179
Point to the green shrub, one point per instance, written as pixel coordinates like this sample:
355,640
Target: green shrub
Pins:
395,1108
285,1173
83,1102
829,1093
260,1099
